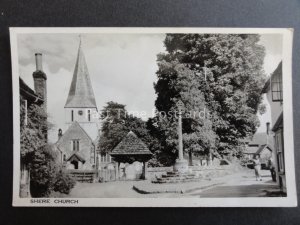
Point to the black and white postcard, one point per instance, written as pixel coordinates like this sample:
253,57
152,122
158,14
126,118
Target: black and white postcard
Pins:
159,117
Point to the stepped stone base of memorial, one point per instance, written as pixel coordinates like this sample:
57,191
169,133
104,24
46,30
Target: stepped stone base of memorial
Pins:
177,177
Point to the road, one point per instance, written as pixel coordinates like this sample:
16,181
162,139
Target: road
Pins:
240,184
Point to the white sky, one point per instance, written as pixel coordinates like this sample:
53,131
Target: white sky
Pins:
122,68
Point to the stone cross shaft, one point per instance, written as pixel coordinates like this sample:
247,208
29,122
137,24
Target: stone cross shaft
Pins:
180,144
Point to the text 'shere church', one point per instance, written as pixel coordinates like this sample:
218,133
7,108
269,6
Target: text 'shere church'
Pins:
77,144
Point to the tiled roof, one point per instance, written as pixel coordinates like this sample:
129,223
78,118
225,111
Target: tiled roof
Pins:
260,139
81,92
131,145
76,157
250,149
28,93
262,147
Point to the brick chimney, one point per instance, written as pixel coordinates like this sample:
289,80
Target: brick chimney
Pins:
59,133
268,131
40,80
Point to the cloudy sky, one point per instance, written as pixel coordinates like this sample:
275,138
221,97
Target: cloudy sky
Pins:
121,66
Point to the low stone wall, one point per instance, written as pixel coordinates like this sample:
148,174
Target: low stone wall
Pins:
153,172
204,171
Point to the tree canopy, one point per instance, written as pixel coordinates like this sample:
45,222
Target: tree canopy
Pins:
218,74
116,124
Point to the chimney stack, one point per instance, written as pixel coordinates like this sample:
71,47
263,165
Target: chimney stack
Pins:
268,131
40,80
59,133
38,62
268,127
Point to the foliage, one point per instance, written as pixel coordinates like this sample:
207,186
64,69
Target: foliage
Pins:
42,172
219,72
32,135
45,174
113,127
63,183
117,123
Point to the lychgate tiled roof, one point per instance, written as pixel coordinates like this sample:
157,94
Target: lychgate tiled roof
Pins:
81,91
131,145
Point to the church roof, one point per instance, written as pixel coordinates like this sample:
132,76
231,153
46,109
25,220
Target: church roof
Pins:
76,157
74,131
81,93
131,145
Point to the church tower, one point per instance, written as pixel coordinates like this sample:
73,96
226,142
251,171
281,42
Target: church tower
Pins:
81,104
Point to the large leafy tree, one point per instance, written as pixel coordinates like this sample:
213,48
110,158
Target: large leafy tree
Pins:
182,85
116,124
224,73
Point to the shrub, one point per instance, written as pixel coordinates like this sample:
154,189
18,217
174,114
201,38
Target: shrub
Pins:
63,182
42,172
46,175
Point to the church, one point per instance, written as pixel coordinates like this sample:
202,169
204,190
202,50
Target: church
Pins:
78,143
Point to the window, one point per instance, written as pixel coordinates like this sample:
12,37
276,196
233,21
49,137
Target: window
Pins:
72,115
65,158
80,112
92,155
25,113
75,145
104,157
276,87
89,115
280,149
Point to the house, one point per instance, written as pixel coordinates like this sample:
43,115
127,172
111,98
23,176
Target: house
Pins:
29,97
273,91
77,145
265,154
260,143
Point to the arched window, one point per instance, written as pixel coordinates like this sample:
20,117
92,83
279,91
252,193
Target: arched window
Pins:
65,158
89,115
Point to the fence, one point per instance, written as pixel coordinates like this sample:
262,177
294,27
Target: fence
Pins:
84,176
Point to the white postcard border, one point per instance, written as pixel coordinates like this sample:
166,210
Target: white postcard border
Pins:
289,201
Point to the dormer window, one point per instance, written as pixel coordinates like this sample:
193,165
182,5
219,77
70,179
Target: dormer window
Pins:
276,87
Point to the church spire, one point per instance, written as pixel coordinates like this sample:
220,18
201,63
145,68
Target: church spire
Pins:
81,93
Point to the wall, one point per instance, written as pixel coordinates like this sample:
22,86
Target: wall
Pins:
86,147
91,127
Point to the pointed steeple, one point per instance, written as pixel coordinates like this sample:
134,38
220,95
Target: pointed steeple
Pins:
81,93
